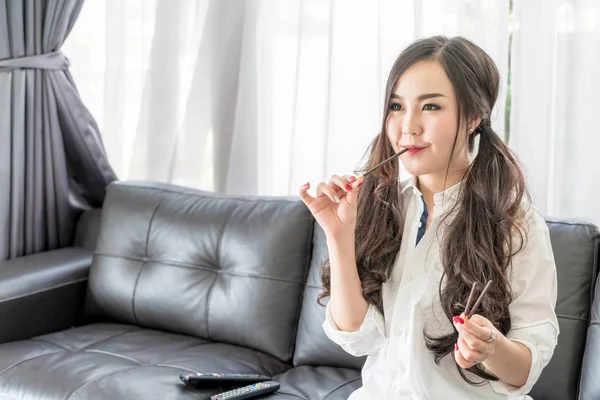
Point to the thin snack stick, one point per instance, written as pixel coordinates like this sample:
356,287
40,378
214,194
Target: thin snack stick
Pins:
485,289
470,299
398,154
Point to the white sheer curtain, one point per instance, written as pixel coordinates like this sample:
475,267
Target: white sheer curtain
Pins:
554,113
255,97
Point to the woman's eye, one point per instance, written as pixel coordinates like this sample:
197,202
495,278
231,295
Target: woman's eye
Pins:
395,107
430,107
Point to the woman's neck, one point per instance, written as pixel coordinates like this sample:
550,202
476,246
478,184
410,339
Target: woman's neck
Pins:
431,184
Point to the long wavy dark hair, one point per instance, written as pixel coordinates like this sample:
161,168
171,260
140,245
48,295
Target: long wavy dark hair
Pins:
486,228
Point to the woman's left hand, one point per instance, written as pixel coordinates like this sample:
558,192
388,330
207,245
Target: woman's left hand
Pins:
473,346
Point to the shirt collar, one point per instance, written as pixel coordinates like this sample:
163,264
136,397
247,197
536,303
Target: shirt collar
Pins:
410,183
446,199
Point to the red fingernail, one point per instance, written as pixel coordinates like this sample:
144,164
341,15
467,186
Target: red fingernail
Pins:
348,187
458,320
359,183
455,346
306,184
351,179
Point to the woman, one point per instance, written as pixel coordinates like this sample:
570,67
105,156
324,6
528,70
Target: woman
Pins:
403,257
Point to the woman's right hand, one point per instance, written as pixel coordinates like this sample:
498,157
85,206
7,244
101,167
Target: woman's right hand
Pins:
335,205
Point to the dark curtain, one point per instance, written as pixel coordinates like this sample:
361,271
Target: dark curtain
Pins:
52,160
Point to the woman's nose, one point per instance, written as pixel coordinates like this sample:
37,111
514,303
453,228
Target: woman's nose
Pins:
411,126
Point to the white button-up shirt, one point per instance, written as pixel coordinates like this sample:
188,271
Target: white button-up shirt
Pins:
399,365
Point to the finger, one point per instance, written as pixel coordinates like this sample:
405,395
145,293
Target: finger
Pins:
478,326
340,182
352,196
350,178
480,320
468,353
326,190
304,195
474,342
458,322
460,360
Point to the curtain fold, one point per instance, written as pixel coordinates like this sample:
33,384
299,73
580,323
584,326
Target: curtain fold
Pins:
52,163
256,96
553,124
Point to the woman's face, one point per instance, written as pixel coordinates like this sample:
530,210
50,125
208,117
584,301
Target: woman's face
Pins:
423,117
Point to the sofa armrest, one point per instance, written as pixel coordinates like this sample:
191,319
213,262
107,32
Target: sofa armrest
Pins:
43,292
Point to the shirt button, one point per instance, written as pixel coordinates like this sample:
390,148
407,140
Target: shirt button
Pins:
409,278
399,332
420,224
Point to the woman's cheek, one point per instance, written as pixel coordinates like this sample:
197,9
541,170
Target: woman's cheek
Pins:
394,133
442,132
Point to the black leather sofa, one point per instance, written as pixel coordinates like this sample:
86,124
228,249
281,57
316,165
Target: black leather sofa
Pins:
165,280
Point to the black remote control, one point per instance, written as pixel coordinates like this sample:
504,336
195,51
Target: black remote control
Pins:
212,379
248,392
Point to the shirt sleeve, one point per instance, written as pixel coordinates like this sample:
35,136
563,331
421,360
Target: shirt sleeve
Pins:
534,291
366,340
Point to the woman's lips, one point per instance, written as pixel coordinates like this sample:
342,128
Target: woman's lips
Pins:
412,150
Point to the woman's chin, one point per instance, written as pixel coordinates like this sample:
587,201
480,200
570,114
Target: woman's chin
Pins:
414,170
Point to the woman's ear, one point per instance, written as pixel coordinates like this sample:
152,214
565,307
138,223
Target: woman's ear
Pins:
473,124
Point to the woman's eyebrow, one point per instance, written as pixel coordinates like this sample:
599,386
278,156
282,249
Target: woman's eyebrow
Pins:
420,97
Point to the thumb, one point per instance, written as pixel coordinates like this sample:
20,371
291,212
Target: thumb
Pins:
352,195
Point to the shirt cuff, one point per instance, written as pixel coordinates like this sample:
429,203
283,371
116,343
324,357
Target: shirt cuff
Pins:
541,354
366,339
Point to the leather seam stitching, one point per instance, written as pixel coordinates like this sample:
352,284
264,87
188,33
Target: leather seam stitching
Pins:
195,266
571,317
108,353
212,284
181,350
137,279
174,367
300,305
289,394
27,359
99,377
65,348
340,386
113,373
58,286
108,338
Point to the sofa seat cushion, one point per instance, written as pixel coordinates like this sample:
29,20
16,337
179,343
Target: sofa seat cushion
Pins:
317,383
114,361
